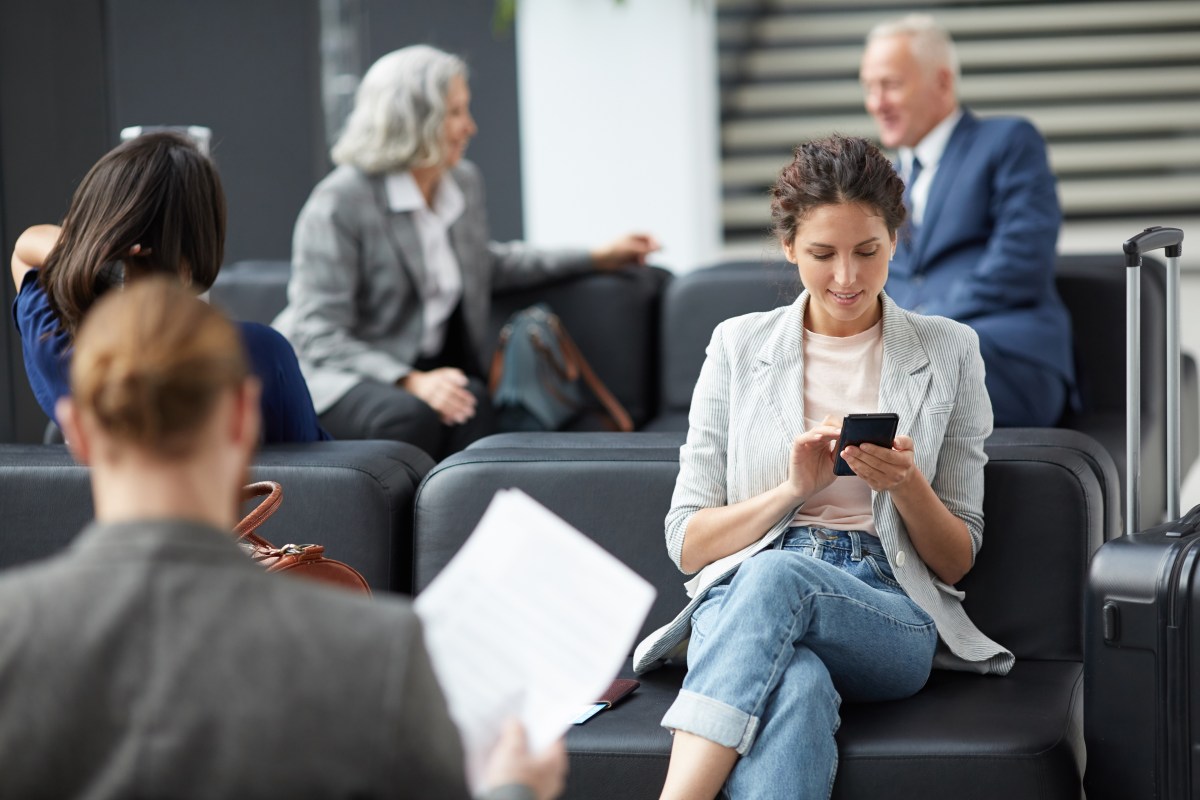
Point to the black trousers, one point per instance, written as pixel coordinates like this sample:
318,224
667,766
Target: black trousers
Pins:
373,410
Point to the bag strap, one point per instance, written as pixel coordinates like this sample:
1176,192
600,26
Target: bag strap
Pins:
616,412
568,370
245,529
497,370
574,364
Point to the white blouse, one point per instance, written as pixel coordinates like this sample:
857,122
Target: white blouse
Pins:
441,288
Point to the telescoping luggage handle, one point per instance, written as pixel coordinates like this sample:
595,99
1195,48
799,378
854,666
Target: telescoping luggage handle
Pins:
1170,240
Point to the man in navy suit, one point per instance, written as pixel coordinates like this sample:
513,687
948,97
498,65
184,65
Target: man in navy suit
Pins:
984,220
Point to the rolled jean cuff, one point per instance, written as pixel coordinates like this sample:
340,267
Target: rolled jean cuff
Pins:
713,720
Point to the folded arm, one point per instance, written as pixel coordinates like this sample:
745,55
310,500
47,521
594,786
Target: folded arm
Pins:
31,250
702,526
714,533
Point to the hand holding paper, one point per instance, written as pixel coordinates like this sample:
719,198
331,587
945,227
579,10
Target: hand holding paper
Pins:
511,762
531,619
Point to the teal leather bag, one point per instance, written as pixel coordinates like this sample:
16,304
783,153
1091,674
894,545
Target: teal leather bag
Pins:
539,381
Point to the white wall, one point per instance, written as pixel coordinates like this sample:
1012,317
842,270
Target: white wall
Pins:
619,124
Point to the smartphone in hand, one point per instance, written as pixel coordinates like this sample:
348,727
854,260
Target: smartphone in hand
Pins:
859,429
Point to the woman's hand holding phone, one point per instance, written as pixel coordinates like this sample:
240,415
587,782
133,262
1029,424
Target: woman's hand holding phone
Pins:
884,469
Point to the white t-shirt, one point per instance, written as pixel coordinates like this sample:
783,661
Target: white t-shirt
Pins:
841,376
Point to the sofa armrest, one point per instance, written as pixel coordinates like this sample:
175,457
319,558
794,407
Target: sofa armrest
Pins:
355,498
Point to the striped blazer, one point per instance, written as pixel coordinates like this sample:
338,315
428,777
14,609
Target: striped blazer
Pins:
356,297
748,407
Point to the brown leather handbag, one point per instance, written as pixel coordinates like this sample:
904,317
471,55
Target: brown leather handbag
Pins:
302,560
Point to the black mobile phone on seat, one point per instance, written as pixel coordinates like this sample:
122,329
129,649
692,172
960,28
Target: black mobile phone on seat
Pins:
859,429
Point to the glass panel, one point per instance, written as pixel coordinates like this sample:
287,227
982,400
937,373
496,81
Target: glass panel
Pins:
342,48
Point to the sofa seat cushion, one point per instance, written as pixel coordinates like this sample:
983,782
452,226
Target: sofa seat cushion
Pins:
963,735
967,735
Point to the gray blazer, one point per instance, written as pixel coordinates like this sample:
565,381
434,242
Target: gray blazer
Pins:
747,409
156,660
354,299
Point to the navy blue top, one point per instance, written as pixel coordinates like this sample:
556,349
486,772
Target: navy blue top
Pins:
287,409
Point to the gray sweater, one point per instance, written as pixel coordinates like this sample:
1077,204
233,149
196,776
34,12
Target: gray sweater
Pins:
153,659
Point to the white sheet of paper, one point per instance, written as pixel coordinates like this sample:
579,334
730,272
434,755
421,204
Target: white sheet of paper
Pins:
530,619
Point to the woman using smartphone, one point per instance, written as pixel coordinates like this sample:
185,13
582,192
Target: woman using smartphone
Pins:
813,588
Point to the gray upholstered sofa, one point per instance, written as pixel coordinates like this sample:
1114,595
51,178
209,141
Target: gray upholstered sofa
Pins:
1048,506
355,498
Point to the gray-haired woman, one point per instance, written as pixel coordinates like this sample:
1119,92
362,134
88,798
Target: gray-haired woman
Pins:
393,269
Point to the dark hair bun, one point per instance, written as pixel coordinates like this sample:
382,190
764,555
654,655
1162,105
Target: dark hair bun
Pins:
834,170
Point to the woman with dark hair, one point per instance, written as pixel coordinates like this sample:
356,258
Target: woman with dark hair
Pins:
813,588
152,658
393,270
153,205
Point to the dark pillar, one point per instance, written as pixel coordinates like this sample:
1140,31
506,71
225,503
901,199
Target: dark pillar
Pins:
54,124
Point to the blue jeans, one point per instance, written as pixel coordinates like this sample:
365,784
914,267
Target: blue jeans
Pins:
776,647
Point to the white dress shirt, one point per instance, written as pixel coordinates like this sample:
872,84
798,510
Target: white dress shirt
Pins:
929,150
441,288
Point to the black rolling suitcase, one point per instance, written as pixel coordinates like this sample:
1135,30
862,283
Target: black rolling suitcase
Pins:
1142,611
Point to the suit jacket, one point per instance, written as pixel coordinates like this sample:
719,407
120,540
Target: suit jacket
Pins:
354,299
984,253
748,407
154,659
